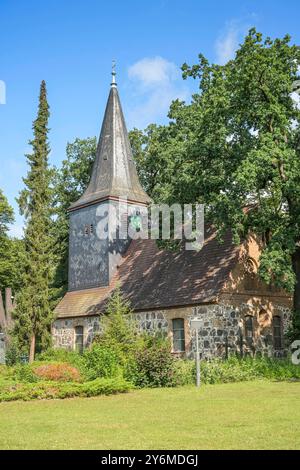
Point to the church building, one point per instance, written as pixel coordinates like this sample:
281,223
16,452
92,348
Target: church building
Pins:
218,284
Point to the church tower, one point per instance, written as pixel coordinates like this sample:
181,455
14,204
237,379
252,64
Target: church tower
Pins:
92,257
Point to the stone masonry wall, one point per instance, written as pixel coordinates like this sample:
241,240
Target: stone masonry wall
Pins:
222,333
63,331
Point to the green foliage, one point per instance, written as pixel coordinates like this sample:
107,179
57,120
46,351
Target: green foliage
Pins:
11,250
235,146
101,361
14,353
6,215
119,330
60,355
251,125
24,373
50,390
293,332
185,372
236,370
152,153
121,350
154,365
33,314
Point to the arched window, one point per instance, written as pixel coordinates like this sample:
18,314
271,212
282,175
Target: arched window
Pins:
249,327
79,339
178,335
277,332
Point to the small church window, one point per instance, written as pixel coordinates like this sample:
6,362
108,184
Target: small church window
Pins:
178,335
86,229
277,332
91,229
249,327
79,339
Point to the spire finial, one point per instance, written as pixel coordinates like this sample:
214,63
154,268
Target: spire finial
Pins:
113,73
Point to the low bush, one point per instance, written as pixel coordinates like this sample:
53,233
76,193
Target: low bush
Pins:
23,373
185,372
153,365
50,390
60,355
57,372
14,354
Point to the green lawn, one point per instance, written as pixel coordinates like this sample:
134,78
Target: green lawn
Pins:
248,415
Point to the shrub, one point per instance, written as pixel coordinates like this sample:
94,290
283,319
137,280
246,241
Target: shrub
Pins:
13,354
60,355
154,365
94,388
46,390
59,372
232,370
101,361
185,372
120,332
23,373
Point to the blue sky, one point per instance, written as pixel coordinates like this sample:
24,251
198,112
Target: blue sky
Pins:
71,44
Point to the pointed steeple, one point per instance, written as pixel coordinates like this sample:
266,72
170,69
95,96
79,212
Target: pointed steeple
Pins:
114,174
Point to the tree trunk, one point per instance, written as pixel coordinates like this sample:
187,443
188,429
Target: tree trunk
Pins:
296,268
32,348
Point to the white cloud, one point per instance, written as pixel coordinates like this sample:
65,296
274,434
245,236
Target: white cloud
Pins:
231,36
153,71
154,83
227,44
2,92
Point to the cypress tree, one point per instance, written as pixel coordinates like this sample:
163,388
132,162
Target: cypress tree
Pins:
33,313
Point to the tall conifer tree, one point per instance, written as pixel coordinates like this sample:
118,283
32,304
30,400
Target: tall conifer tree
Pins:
33,313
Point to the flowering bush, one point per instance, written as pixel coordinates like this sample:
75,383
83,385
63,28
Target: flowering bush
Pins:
59,372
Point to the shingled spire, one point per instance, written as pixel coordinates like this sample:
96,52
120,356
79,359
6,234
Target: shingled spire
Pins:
114,174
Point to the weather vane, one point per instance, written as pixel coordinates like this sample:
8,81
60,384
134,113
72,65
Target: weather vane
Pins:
113,72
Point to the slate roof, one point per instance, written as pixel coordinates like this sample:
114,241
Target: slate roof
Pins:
151,278
114,174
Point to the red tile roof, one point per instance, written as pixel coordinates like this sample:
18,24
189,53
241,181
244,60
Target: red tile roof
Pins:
151,278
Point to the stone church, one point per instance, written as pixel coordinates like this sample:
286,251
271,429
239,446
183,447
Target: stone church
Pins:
218,284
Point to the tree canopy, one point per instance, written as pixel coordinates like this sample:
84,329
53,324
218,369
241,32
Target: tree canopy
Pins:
236,149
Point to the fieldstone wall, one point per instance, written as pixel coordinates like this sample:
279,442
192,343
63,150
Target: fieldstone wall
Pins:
63,331
222,333
152,321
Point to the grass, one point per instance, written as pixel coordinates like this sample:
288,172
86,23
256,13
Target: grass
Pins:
248,415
